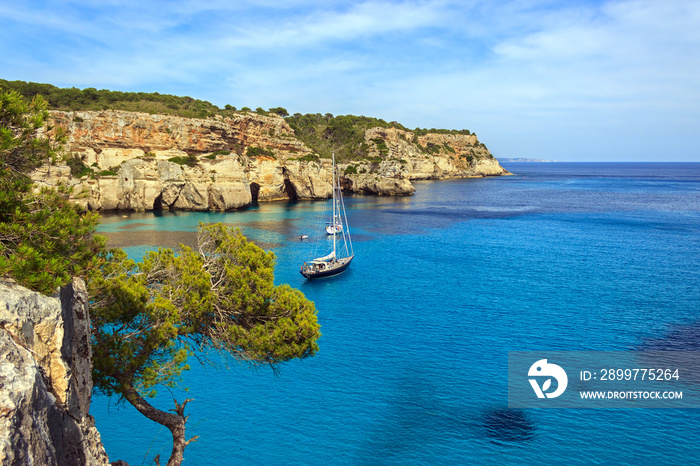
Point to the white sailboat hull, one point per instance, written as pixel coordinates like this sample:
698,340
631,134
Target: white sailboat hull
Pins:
334,229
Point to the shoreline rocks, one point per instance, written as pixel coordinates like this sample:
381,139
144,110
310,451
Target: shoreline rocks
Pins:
46,379
140,162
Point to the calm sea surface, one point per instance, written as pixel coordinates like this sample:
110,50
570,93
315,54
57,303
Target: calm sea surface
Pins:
413,360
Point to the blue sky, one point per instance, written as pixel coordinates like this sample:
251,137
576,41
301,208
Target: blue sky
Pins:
559,80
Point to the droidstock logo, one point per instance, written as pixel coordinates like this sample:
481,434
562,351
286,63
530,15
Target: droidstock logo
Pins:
542,369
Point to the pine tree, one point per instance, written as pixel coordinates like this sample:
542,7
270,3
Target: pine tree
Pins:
147,318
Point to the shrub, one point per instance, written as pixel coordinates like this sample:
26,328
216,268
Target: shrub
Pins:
281,111
190,160
258,151
381,145
308,158
78,169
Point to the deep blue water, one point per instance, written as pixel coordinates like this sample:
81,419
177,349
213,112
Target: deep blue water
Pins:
413,360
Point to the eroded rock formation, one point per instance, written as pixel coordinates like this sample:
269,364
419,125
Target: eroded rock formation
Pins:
45,379
151,162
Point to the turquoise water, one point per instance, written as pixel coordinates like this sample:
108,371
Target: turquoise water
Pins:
413,360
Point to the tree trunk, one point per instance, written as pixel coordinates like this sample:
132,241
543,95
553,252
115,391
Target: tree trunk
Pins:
174,422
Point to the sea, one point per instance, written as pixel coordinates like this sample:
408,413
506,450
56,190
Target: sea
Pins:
413,360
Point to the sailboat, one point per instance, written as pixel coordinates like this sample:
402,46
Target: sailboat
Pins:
334,227
338,259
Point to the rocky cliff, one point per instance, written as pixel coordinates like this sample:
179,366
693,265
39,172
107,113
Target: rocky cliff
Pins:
45,379
138,161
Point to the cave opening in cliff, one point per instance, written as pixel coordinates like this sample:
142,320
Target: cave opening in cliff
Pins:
158,202
254,190
290,190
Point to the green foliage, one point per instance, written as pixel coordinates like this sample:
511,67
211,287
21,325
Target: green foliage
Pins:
147,318
92,99
189,160
259,151
78,169
431,148
307,158
108,172
351,170
221,152
20,147
221,297
44,240
381,146
424,131
281,111
48,242
344,134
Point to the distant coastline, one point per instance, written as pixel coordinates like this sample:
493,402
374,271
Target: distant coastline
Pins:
502,159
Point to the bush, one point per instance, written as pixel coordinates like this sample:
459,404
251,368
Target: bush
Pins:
190,160
281,111
308,158
381,146
78,169
253,152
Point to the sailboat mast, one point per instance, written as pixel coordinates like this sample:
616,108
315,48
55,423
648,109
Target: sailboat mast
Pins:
333,223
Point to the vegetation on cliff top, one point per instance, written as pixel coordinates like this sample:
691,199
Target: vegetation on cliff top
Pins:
70,99
343,134
147,318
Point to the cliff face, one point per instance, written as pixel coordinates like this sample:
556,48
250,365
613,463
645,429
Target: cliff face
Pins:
45,379
137,158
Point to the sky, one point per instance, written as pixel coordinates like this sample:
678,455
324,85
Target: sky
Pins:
585,80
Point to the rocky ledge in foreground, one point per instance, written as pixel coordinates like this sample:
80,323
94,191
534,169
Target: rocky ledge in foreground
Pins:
45,379
138,161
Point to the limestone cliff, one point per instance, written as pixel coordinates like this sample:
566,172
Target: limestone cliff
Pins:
140,161
45,379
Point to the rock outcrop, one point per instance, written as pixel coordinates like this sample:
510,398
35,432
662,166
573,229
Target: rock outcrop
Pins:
140,161
45,379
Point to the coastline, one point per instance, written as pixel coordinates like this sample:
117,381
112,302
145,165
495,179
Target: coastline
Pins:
140,162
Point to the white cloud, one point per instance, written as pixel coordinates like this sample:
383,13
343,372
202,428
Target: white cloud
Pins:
531,75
